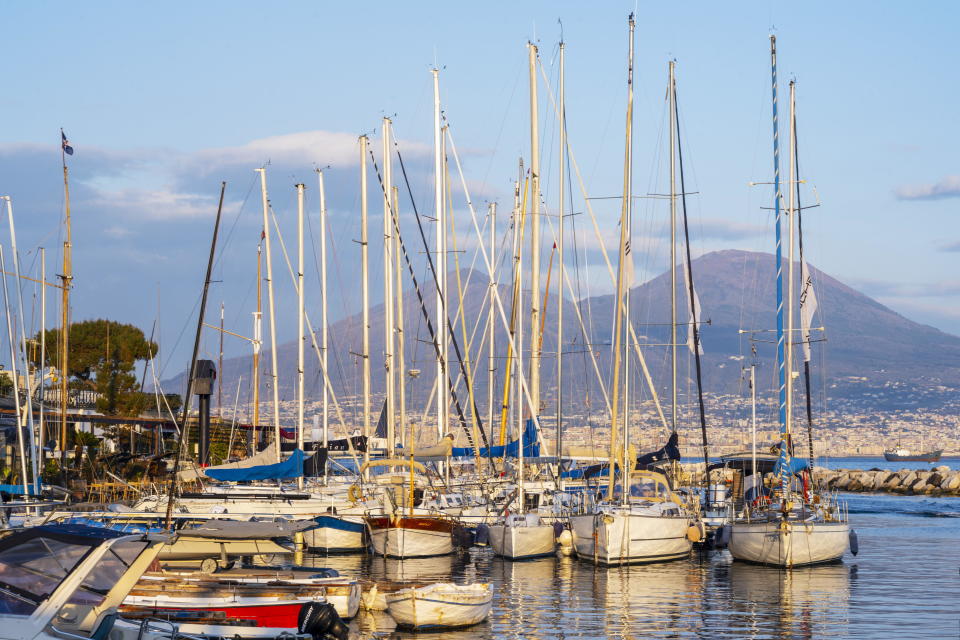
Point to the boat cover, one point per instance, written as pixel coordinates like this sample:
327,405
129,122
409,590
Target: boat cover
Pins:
292,467
531,446
245,530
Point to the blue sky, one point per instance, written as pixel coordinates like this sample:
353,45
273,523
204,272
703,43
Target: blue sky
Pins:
163,100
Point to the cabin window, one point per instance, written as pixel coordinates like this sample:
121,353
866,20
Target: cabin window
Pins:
647,488
30,572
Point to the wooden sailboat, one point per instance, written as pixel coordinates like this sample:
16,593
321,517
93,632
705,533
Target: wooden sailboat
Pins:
790,528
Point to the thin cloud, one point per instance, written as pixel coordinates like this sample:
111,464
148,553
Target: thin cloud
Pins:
952,247
947,187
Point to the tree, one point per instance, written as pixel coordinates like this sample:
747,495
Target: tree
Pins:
103,355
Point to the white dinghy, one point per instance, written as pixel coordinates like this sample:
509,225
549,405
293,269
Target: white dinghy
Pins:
440,606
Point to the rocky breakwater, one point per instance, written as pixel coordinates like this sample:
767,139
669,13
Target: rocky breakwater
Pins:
939,481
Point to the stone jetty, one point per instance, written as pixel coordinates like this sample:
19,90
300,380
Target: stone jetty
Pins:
938,481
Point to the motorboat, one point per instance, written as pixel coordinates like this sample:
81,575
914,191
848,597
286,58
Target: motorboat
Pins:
520,536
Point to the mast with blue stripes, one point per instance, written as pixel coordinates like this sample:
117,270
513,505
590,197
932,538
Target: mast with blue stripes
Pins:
781,373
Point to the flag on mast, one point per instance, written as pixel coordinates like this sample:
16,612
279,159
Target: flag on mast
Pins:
694,314
67,149
808,307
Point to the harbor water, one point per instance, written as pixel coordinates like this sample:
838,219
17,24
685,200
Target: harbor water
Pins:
904,583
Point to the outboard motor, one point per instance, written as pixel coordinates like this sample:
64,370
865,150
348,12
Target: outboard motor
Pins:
321,621
482,537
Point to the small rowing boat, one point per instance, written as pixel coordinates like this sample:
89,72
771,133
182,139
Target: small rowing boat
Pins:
440,606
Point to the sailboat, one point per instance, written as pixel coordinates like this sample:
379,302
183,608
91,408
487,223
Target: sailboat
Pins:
522,534
793,526
646,521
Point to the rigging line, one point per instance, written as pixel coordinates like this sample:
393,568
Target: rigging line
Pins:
313,341
692,300
803,300
416,287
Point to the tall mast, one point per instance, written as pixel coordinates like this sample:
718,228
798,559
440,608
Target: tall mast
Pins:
491,332
365,295
777,197
273,316
398,291
673,257
43,348
12,341
23,347
323,300
534,234
518,368
257,343
560,209
619,308
628,258
300,313
66,281
390,382
219,375
790,279
441,271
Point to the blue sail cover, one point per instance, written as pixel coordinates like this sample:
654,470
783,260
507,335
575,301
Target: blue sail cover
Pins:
292,467
531,446
787,466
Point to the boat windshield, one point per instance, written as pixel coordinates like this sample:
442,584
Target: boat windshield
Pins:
648,488
30,572
108,572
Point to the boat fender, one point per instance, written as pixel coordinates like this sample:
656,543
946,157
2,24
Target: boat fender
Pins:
722,537
854,542
320,620
558,529
693,533
482,538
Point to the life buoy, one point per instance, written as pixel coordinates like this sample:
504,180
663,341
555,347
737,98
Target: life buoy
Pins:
355,494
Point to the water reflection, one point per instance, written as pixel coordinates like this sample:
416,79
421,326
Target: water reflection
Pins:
807,602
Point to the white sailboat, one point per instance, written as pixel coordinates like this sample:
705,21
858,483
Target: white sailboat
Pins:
646,522
792,528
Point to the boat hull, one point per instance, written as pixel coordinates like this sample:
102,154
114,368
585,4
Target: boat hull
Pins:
932,456
617,539
522,543
336,534
410,537
426,609
794,544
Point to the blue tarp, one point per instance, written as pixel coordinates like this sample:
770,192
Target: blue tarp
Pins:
531,446
17,489
292,467
793,466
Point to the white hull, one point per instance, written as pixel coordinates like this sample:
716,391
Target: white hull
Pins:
337,538
440,606
400,542
187,548
630,538
794,545
518,543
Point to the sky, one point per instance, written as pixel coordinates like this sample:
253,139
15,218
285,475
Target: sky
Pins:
163,101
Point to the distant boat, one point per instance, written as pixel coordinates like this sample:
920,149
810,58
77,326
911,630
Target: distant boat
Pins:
905,455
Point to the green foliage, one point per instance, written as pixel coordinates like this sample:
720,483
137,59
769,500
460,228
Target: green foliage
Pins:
6,386
218,452
51,471
85,439
103,355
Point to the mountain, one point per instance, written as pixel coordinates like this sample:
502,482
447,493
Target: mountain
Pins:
865,346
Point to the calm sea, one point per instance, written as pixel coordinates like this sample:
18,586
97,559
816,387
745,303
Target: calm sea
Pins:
903,584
